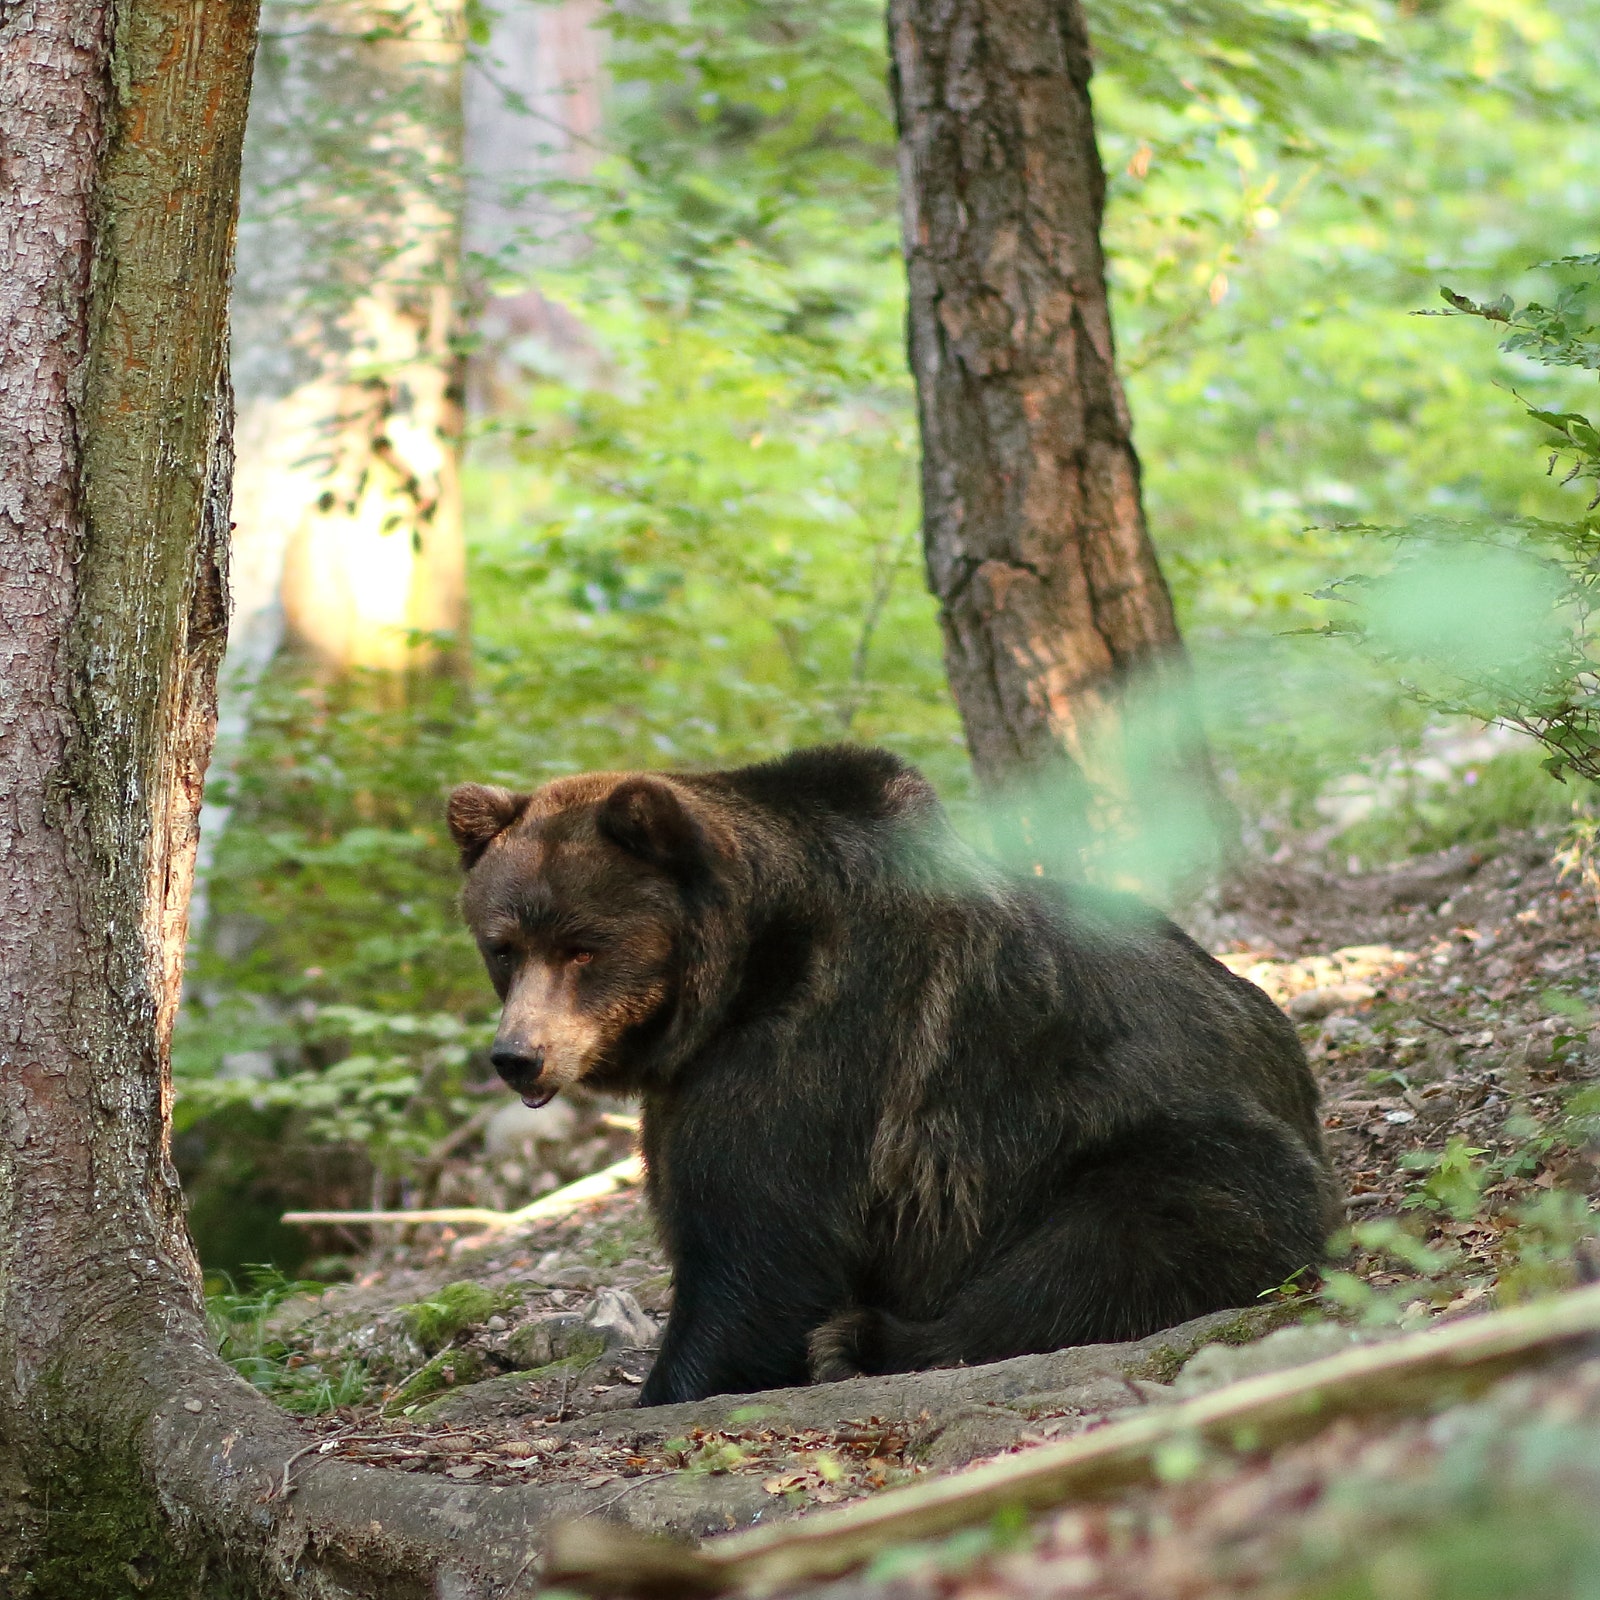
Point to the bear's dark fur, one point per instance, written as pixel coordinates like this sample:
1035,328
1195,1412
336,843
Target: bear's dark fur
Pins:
900,1110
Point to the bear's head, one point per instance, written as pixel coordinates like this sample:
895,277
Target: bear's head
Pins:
580,897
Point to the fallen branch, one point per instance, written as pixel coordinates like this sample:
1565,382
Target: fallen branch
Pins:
624,1174
1417,1371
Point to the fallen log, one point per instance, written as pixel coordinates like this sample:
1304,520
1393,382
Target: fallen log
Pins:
624,1174
1417,1371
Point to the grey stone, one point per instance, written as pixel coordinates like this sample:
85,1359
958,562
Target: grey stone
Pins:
621,1320
1218,1365
546,1340
515,1125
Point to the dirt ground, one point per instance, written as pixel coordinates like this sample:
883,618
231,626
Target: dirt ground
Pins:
1494,1500
1444,1004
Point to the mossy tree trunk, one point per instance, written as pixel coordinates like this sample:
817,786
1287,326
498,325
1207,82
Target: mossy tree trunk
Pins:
122,127
1053,606
132,1461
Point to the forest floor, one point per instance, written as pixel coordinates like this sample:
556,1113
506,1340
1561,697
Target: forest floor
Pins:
1444,1003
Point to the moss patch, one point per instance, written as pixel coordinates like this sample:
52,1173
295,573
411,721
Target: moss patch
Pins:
1258,1321
434,1322
447,1370
104,1539
581,1355
1164,1364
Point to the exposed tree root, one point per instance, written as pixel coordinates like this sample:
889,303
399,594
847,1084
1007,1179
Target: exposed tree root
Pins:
244,1490
1420,1371
1009,1396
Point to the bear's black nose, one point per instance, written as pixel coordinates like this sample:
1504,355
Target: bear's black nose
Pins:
519,1068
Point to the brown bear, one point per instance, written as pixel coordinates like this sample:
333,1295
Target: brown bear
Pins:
900,1109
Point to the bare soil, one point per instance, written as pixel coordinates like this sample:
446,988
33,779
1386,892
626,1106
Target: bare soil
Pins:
1447,997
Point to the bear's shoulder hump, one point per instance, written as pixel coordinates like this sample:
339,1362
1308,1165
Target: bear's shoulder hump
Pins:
852,780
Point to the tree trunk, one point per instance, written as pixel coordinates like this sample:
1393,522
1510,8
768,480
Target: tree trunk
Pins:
1053,606
532,114
123,129
132,1461
348,363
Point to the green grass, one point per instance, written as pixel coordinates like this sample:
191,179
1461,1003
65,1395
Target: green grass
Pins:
239,1318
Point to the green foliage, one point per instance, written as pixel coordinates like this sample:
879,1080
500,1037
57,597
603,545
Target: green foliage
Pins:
335,1012
1007,1530
352,116
705,551
1430,1271
1543,1241
1472,806
1583,1113
1307,394
395,1105
1495,618
1546,1249
1487,1546
1499,1507
1453,1182
239,1324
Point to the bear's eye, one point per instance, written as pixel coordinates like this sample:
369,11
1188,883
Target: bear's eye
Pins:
580,958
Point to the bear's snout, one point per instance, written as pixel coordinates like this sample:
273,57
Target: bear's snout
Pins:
521,1070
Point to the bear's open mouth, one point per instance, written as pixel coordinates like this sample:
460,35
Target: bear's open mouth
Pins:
539,1097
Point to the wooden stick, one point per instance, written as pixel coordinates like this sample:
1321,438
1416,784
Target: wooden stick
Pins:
1415,1371
469,1215
624,1174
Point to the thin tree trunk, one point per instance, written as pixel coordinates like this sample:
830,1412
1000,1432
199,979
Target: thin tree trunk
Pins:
348,532
132,1461
532,115
349,368
1053,605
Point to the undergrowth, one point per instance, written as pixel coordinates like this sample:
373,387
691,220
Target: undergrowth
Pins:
239,1317
1403,1270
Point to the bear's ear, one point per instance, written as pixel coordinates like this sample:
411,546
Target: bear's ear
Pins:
479,813
649,821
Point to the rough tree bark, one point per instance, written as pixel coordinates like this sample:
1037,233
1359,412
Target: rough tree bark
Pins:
113,432
1053,605
132,1461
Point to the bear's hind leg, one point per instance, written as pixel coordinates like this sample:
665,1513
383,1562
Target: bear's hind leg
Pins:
1178,1223
846,1345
